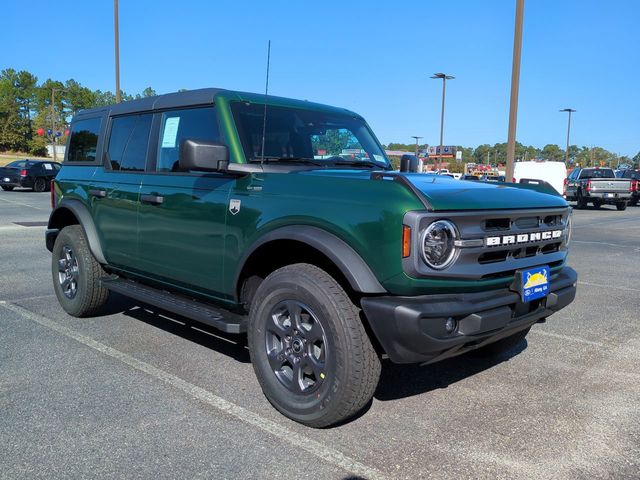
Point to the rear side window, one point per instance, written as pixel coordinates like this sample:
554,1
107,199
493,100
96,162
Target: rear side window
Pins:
177,125
128,142
84,140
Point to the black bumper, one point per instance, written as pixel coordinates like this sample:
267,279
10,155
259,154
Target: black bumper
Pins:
412,329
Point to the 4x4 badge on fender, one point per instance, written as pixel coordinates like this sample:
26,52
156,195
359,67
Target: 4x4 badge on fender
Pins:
234,206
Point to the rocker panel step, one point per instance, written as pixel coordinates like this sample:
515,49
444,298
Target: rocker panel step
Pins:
221,319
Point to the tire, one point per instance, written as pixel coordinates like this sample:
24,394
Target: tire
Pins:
327,346
633,202
621,206
503,345
582,202
39,185
7,188
76,274
597,203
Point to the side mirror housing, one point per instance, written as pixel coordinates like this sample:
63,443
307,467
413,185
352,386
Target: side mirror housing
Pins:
408,163
202,155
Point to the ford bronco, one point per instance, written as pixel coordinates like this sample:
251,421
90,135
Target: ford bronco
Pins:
283,220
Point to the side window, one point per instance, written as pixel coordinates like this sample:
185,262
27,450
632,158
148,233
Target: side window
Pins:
177,125
84,140
128,142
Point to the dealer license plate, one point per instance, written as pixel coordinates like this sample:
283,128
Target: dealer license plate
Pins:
609,195
535,283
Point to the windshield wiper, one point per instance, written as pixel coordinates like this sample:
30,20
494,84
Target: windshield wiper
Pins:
360,163
274,159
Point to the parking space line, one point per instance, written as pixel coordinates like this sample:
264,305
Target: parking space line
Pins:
569,338
25,205
616,287
328,454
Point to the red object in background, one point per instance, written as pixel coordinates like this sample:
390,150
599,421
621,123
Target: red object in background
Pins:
66,133
40,132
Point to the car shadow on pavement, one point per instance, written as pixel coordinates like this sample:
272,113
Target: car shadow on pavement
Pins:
234,346
400,381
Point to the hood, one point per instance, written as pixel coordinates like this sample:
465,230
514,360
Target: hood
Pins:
446,193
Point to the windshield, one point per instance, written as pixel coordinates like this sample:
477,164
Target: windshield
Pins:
597,173
294,134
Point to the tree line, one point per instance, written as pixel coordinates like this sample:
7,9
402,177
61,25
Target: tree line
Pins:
497,154
26,108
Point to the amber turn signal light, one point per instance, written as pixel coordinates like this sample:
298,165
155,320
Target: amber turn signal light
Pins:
406,241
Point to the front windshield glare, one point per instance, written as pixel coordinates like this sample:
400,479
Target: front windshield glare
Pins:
293,133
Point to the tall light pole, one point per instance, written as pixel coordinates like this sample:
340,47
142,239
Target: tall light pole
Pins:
566,154
417,138
53,120
444,78
515,87
116,33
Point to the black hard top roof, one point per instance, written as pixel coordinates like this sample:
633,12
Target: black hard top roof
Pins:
188,98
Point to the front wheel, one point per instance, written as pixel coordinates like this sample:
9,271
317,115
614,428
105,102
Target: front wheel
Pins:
309,349
76,274
7,188
621,206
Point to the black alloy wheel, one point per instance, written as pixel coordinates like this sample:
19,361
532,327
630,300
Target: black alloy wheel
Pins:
39,185
68,272
296,346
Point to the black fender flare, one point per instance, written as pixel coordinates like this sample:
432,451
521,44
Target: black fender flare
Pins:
348,261
81,212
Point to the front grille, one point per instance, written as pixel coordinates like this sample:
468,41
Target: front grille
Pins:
496,242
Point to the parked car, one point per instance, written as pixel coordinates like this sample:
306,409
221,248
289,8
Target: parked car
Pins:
493,178
466,176
34,174
195,204
598,186
553,173
634,176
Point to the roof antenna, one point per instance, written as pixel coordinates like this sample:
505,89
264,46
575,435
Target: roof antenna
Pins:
266,94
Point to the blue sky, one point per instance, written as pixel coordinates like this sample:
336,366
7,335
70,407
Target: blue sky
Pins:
373,57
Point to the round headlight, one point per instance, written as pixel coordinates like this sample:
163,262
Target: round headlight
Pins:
438,244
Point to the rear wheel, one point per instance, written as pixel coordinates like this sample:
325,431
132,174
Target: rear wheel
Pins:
76,274
503,345
633,202
621,205
7,188
310,352
39,185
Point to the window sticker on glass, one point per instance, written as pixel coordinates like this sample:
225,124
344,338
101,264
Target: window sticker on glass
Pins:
170,132
48,166
378,158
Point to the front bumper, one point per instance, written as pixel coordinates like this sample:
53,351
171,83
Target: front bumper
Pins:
412,329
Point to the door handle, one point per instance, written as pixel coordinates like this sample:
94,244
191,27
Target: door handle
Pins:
152,199
94,192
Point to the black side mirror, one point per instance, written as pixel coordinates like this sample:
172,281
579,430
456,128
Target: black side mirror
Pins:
203,155
408,163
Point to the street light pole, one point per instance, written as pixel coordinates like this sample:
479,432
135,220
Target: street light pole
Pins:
444,78
515,87
116,32
566,154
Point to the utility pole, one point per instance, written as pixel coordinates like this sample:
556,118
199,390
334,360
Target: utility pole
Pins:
117,49
515,86
417,138
566,154
53,121
444,78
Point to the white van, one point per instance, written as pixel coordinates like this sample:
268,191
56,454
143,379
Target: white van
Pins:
554,173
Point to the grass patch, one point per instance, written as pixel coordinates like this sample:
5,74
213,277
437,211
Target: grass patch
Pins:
9,157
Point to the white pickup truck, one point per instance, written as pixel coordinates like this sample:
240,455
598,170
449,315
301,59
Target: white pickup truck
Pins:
598,186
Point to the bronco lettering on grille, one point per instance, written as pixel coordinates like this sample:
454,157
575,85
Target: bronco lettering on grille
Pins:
520,238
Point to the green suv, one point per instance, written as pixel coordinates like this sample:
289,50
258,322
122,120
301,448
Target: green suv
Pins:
284,220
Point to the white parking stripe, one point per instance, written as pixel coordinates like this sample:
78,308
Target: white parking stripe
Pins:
324,452
569,338
24,205
615,287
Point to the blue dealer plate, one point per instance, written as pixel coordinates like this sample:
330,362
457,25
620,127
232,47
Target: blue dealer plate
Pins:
535,283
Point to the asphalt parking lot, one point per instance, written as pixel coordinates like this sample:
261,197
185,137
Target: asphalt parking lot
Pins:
135,394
